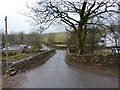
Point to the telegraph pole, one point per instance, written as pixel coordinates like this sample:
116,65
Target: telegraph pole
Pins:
6,38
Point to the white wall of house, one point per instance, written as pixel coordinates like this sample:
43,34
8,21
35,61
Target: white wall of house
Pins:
110,39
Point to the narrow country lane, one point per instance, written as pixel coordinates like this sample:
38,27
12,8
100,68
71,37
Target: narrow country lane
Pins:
55,73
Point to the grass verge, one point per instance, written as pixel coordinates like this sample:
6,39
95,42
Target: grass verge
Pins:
17,57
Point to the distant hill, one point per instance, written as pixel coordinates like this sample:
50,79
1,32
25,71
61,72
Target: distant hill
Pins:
59,37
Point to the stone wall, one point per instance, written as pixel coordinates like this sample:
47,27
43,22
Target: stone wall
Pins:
29,62
104,60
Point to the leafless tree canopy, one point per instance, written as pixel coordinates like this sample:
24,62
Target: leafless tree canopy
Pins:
70,12
77,14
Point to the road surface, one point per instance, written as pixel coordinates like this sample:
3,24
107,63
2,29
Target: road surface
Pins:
55,73
45,48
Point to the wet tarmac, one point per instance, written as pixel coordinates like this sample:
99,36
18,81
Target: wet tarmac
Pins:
55,73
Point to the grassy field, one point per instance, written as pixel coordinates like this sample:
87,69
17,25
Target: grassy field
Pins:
59,37
103,53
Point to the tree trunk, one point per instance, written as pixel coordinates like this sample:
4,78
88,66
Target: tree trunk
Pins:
79,45
81,38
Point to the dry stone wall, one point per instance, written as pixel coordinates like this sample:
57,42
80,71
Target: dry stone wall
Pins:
28,62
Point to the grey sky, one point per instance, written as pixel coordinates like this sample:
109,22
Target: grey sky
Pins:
16,21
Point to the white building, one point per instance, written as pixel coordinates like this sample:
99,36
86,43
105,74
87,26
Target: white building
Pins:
110,39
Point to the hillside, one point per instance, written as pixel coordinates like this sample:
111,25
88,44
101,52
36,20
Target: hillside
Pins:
59,37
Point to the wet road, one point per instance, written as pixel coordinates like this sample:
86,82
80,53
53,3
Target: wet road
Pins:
55,73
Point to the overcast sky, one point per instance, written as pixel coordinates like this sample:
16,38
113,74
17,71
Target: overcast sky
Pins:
16,21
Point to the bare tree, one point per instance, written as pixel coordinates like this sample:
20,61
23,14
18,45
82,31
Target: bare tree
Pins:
75,14
51,39
112,30
2,37
13,38
34,40
70,40
21,37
